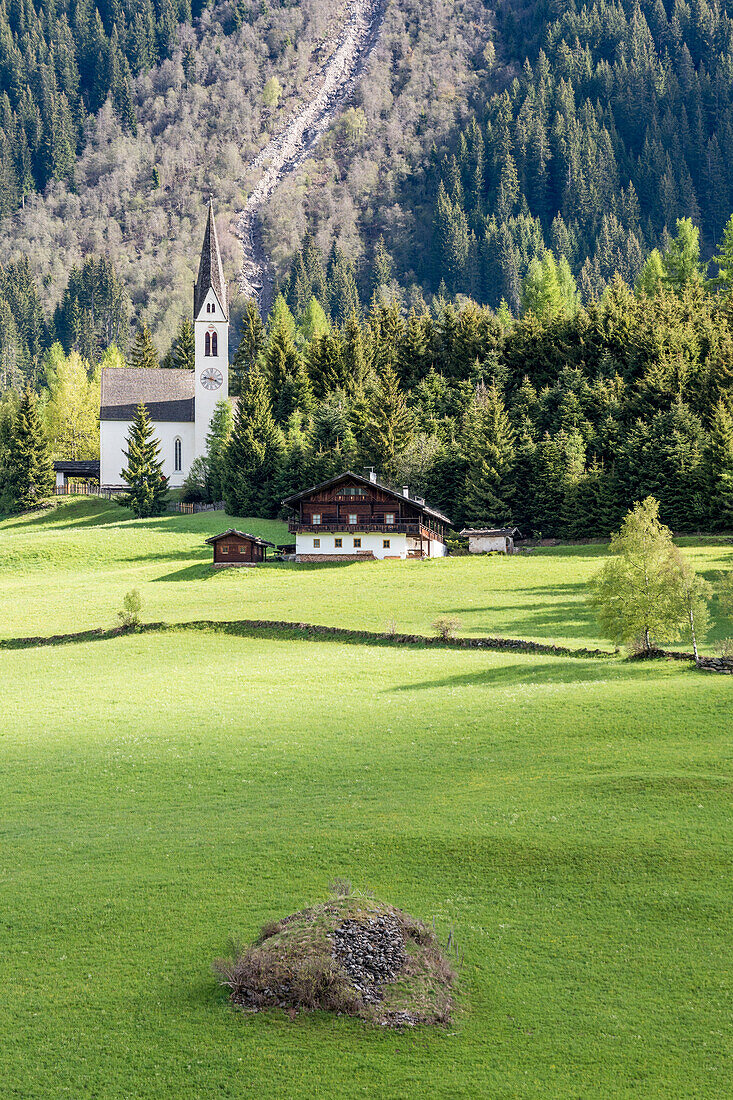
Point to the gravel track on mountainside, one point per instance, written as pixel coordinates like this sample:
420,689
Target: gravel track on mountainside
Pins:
290,146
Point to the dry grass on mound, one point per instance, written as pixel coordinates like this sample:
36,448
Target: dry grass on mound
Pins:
351,955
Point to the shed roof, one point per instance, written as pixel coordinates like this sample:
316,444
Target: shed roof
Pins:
167,394
489,532
240,535
77,467
348,476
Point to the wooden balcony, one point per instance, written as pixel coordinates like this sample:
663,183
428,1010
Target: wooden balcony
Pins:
344,528
416,530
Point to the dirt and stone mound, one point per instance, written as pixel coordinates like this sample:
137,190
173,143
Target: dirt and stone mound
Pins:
349,955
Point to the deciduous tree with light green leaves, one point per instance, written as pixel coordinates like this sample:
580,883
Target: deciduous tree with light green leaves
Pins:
549,288
646,594
72,412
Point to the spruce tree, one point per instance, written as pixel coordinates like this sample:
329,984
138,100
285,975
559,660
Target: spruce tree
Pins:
250,346
26,473
217,441
143,353
388,424
295,395
489,449
253,454
183,352
724,261
280,356
719,462
148,486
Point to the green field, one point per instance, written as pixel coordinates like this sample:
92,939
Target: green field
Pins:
159,793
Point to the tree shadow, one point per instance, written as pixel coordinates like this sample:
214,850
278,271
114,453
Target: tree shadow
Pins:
552,672
76,513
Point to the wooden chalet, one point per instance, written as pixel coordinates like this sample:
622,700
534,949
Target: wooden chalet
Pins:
237,548
350,518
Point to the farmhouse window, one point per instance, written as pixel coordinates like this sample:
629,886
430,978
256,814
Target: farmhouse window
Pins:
357,544
353,518
385,544
350,492
389,519
317,543
242,549
338,543
316,519
225,548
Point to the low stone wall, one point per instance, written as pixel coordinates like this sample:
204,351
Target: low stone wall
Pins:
316,559
235,564
716,664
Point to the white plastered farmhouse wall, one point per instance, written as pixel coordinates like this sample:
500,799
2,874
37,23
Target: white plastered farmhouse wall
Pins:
113,441
374,543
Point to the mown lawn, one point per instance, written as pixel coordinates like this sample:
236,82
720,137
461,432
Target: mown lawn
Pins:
159,793
570,820
68,569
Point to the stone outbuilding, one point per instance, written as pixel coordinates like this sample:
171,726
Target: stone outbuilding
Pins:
234,547
490,540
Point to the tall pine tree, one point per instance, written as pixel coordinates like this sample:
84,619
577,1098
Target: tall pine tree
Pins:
253,454
148,486
26,473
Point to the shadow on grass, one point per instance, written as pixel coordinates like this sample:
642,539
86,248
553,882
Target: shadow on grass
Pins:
553,672
79,512
201,571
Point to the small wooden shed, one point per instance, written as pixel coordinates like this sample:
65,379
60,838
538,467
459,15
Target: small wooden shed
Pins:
234,547
490,540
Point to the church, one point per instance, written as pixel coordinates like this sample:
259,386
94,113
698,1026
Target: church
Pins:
180,403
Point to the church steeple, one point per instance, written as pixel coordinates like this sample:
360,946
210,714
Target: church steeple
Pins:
211,273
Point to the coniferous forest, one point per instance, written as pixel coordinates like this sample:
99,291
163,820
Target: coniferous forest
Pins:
504,274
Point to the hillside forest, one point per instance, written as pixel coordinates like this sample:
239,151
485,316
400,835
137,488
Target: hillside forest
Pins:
504,273
556,421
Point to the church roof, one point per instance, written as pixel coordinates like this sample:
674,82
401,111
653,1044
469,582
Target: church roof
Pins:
211,273
168,394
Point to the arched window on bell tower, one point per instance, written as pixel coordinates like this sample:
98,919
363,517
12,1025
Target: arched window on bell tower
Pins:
207,344
214,344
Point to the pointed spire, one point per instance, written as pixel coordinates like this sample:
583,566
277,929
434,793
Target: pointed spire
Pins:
211,273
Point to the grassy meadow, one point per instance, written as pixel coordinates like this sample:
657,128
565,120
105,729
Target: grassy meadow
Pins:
161,793
68,568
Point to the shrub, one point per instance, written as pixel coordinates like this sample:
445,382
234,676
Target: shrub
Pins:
446,628
129,616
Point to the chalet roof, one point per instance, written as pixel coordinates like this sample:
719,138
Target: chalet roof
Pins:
488,532
168,394
211,273
240,535
348,476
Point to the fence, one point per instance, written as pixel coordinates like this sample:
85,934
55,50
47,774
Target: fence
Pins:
192,509
85,489
90,489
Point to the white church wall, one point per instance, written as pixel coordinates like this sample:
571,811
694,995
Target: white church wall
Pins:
113,442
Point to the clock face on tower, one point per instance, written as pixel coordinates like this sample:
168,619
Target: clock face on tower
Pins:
211,378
